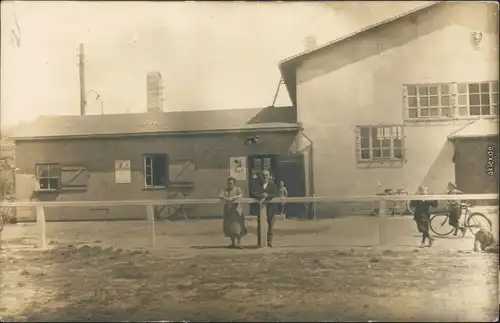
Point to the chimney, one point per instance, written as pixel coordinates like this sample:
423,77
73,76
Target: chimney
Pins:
309,43
154,92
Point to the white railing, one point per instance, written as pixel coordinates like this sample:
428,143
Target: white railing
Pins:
262,223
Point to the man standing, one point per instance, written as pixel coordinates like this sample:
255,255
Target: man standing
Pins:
264,190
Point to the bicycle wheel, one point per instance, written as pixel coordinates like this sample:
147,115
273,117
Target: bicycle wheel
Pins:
439,225
476,221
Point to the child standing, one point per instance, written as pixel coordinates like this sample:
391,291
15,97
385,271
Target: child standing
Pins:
282,192
422,215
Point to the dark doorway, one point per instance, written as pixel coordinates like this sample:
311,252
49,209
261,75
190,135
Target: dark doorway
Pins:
476,166
291,169
257,163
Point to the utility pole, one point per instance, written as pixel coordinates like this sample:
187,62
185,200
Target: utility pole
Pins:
81,64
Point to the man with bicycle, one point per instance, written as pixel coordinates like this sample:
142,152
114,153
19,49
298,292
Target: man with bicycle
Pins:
455,209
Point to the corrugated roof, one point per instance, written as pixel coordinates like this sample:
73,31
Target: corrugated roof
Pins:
477,129
288,66
157,122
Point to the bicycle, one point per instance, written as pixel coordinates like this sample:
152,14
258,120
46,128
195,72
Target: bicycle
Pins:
473,221
175,210
395,207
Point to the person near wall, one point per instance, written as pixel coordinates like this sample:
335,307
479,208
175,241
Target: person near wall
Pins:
234,222
264,190
282,192
422,215
455,209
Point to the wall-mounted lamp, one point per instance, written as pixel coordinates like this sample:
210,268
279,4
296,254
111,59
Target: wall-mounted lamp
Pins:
476,38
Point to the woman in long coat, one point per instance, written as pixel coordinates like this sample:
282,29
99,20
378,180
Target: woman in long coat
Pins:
234,222
422,216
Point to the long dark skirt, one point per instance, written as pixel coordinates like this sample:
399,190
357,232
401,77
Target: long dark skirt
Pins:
455,213
423,222
234,225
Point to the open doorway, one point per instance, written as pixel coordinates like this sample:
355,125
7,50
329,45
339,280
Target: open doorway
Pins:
289,168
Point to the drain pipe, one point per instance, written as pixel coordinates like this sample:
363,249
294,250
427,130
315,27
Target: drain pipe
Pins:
312,212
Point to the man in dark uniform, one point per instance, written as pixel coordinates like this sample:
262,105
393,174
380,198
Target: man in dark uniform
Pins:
265,189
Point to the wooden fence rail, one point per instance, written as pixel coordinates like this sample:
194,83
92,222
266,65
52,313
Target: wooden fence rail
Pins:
262,222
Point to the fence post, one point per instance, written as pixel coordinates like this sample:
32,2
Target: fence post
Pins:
262,226
383,212
150,211
40,218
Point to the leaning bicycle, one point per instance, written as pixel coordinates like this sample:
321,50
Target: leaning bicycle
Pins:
394,207
175,211
474,221
7,215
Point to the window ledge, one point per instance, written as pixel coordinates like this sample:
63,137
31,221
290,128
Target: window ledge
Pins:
390,163
154,188
450,119
41,190
72,189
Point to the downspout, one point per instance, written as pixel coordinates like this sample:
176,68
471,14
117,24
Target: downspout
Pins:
312,214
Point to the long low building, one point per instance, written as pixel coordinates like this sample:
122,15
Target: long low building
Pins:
153,155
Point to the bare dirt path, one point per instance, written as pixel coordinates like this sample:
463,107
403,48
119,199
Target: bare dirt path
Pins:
320,271
247,285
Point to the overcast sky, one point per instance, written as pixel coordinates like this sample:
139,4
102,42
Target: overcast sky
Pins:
211,55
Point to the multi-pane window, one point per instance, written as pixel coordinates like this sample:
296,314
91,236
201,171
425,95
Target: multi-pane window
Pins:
477,99
429,101
48,176
379,143
451,100
156,170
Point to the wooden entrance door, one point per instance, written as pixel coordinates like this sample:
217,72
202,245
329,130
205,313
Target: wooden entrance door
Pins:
476,165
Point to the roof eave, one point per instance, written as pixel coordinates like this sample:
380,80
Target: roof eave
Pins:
291,127
292,61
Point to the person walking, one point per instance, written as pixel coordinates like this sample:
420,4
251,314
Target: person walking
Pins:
422,215
233,224
264,190
455,209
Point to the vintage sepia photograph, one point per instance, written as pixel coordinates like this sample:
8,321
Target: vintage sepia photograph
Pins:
251,161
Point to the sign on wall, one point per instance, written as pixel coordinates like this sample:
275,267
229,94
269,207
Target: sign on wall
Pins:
238,168
123,173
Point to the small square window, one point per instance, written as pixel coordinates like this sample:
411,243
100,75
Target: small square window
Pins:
485,110
485,88
445,101
424,101
494,87
474,99
445,89
475,111
412,90
462,88
473,88
485,99
412,101
423,90
365,154
434,112
433,101
424,112
462,100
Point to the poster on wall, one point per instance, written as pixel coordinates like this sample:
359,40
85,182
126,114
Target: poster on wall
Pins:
238,168
123,172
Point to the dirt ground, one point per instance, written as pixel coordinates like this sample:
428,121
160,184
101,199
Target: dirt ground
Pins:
325,280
